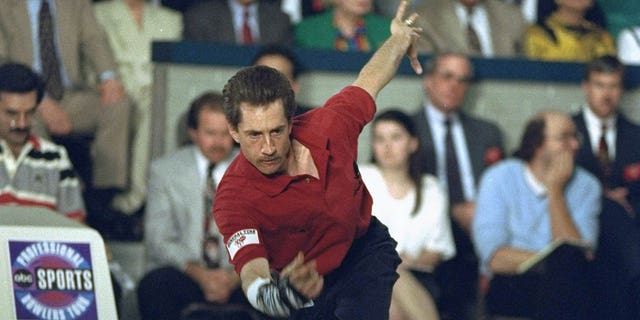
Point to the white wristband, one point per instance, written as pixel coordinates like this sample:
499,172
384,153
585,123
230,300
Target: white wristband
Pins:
252,291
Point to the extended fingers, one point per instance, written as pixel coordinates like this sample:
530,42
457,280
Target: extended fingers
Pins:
401,9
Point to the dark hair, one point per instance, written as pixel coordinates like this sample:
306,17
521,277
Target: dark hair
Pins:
604,64
210,100
282,51
257,86
415,159
595,14
18,78
532,138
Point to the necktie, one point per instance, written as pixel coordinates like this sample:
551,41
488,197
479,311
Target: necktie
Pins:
247,37
211,241
472,35
603,155
454,184
48,56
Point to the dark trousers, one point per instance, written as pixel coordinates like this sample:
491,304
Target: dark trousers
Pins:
561,290
617,264
361,287
457,279
165,292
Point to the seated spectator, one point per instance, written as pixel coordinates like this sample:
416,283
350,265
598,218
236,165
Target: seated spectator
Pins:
34,171
131,27
350,25
566,34
629,45
186,260
414,208
27,160
243,22
610,152
284,60
457,147
523,205
488,28
50,37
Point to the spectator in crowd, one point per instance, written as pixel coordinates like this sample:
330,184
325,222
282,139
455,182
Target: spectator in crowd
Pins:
243,22
293,201
284,60
27,160
34,171
566,34
186,260
414,208
525,204
131,27
488,28
610,152
457,148
629,45
350,25
60,40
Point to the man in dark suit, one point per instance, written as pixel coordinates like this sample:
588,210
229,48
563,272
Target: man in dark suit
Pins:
224,21
610,151
476,144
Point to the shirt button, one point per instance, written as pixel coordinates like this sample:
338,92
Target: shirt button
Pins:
307,180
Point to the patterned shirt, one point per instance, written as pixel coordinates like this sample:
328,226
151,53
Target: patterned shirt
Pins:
41,176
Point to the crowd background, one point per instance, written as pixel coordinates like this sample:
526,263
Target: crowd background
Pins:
507,88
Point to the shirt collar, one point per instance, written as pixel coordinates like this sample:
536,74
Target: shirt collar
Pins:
593,121
202,163
436,116
534,184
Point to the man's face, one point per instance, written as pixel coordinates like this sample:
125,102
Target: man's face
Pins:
603,92
447,85
212,136
281,64
561,135
16,112
263,135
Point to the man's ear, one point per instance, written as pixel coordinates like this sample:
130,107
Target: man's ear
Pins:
234,134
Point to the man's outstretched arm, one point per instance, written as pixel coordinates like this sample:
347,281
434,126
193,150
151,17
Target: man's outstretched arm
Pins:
381,68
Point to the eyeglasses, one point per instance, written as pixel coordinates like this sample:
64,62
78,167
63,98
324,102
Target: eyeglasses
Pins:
448,76
567,136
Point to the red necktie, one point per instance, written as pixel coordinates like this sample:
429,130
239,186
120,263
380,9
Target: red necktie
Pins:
247,37
603,156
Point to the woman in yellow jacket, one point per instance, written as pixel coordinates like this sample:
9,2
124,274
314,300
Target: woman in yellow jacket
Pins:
566,35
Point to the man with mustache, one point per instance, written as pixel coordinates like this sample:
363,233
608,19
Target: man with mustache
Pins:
33,171
293,208
611,153
186,260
